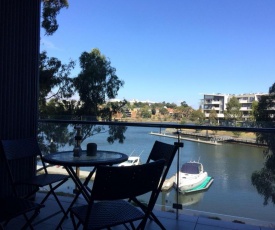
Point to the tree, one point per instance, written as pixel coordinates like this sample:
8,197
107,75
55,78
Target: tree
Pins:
54,80
233,112
50,10
183,104
185,110
145,113
96,83
264,179
213,117
253,112
54,85
163,111
198,117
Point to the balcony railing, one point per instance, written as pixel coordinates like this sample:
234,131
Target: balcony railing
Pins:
229,154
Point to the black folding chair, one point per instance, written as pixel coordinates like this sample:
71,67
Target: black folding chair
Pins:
112,185
159,151
12,206
28,148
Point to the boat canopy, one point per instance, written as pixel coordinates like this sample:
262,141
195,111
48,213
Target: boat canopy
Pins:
191,168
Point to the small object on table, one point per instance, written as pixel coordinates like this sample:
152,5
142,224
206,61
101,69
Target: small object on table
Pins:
91,149
78,138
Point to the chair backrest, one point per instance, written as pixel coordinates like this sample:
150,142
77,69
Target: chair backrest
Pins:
112,182
20,161
164,151
20,148
22,151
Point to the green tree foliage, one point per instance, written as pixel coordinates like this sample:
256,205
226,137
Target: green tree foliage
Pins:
145,112
233,112
213,117
264,179
56,87
163,111
50,10
54,84
198,117
53,136
171,105
54,80
185,110
253,111
96,83
183,104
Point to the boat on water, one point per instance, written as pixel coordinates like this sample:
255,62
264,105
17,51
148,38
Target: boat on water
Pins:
132,160
192,177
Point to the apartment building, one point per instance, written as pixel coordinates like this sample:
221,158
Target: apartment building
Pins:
218,102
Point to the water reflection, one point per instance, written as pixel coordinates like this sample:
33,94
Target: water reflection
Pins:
168,198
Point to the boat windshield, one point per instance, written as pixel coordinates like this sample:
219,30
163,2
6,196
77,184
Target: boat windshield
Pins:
190,168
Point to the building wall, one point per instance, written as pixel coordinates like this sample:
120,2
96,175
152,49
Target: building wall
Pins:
219,101
19,45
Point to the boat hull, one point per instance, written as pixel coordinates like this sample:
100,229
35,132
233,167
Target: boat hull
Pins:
190,181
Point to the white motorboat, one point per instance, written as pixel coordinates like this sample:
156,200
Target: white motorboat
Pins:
191,176
132,160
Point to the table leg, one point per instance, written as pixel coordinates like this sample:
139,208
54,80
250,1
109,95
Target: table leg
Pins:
80,189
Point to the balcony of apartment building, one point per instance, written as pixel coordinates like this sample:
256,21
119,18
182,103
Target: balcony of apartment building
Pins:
216,208
230,202
212,101
243,100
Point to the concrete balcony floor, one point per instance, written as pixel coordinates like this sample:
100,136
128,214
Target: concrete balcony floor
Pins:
48,219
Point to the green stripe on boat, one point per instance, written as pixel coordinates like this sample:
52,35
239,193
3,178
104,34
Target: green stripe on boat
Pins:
204,185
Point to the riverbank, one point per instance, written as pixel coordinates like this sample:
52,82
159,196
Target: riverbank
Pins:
216,136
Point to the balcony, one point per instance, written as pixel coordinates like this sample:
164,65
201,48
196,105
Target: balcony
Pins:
229,201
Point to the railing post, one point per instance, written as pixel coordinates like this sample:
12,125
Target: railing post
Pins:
179,144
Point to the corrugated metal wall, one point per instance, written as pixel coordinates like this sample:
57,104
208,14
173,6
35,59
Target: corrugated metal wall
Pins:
19,53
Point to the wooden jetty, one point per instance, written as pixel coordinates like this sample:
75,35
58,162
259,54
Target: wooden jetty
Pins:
187,139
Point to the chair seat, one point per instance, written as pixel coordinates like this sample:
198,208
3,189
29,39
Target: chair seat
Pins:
112,212
11,207
45,179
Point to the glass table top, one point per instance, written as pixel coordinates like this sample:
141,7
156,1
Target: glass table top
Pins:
102,157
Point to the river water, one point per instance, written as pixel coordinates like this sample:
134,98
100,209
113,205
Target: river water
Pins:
231,166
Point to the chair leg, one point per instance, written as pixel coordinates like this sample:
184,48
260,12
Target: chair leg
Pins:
29,220
59,203
151,214
76,225
55,196
154,218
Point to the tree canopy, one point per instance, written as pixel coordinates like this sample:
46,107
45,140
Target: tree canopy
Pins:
54,75
233,110
96,82
50,10
264,179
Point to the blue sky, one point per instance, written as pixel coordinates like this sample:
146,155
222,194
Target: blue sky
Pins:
174,50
